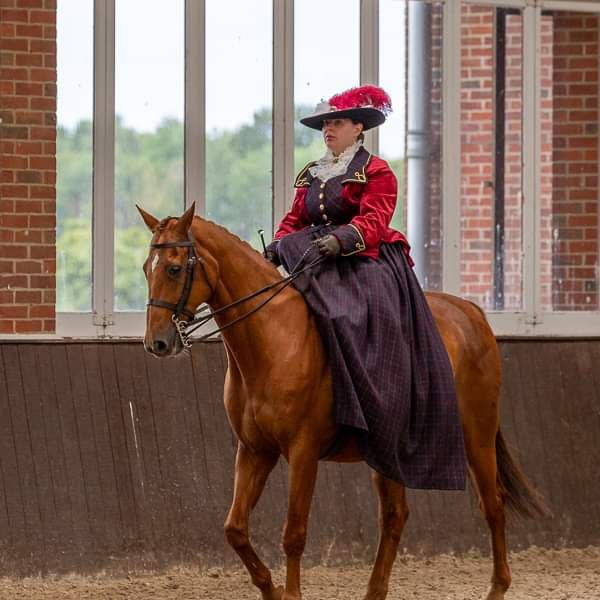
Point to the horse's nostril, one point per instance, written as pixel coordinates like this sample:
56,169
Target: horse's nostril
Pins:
159,347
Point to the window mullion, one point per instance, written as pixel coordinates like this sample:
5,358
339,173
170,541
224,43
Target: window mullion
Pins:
531,162
104,163
451,123
195,104
369,57
570,5
283,107
499,3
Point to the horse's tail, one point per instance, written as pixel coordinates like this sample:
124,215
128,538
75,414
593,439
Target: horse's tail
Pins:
519,495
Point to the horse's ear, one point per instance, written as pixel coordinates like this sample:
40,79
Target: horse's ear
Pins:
185,220
151,222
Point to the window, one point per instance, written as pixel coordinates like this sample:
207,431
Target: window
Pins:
326,61
149,104
393,78
239,115
494,139
410,67
75,25
491,157
570,161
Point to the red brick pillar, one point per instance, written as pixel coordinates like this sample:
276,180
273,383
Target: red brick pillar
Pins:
27,166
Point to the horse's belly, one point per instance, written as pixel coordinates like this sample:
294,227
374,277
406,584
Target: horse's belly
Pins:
348,453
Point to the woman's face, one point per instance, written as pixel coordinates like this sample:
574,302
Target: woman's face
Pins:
340,133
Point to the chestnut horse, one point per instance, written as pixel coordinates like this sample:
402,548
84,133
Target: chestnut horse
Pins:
279,401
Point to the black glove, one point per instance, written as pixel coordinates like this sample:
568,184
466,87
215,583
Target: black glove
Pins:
329,246
271,254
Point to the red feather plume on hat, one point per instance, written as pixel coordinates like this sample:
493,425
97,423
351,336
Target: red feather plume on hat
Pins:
363,96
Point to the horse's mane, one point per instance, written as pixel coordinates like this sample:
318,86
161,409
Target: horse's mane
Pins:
226,232
250,251
223,231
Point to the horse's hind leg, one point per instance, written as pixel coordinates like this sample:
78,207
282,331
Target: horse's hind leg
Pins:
482,460
393,514
251,473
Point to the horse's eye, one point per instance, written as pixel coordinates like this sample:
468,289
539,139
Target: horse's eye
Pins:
173,270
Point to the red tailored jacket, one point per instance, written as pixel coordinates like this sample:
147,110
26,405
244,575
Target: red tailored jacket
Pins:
375,196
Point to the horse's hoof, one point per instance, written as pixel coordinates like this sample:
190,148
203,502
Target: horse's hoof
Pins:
496,593
274,594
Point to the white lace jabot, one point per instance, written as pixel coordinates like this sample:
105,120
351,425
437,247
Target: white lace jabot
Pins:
329,166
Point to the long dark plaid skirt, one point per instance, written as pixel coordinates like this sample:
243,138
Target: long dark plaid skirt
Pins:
392,379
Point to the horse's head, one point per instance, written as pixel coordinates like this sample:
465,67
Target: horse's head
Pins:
178,281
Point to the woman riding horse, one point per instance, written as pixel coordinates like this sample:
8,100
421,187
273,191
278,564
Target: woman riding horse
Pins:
392,380
367,360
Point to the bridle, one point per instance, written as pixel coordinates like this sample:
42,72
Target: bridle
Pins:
192,259
194,320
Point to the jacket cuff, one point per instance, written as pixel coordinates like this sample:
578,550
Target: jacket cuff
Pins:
350,239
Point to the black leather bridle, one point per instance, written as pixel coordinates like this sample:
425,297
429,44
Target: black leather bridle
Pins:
180,309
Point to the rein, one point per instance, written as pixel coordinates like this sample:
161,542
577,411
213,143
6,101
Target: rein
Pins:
185,328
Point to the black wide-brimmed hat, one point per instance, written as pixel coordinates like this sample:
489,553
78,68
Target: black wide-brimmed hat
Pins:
367,104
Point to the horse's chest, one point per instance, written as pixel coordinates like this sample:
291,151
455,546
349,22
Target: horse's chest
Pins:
252,420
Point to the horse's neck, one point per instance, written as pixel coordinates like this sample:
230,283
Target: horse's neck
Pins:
242,271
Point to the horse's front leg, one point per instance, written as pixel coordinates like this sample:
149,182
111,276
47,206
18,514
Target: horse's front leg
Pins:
251,473
393,514
303,461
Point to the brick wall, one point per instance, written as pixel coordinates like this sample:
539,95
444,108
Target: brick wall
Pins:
28,165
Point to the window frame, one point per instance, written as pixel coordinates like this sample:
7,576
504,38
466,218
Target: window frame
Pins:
103,321
531,321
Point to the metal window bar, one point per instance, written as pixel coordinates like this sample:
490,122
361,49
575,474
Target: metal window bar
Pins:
369,57
103,197
283,108
195,105
499,154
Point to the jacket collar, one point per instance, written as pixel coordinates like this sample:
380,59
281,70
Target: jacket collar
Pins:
356,172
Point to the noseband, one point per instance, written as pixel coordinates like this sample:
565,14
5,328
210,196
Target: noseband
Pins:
180,308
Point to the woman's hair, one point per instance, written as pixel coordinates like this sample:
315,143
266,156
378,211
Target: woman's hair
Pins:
361,135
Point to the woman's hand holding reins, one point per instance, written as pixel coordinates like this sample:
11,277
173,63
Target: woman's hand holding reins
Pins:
329,246
271,254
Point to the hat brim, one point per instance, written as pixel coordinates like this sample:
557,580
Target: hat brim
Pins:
369,117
